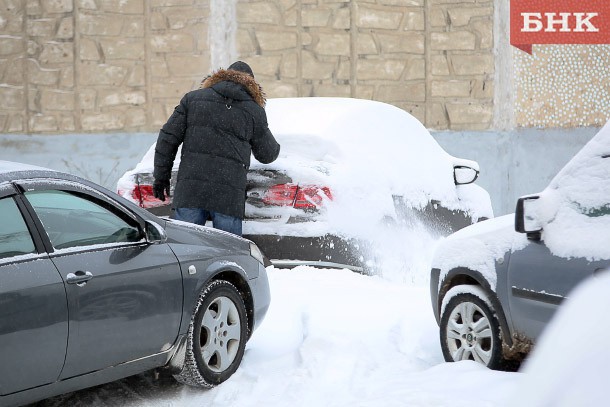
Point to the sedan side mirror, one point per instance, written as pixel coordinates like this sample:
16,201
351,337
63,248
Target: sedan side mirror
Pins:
525,221
154,233
463,175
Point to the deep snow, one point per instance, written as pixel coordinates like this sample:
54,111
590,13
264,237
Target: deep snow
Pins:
331,338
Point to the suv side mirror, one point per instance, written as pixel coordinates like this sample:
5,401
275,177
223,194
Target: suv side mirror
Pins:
154,233
463,175
525,221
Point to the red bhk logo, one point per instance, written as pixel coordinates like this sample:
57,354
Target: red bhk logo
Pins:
559,22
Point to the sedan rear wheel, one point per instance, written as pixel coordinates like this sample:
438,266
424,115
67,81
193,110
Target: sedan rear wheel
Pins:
470,331
217,336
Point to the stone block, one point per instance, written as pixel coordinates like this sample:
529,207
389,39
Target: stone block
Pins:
438,17
451,88
10,45
485,31
88,50
436,116
102,74
245,44
416,69
181,17
157,21
404,3
101,25
122,6
315,69
332,90
188,65
288,66
66,29
86,5
173,89
172,43
133,26
66,77
342,19
40,123
415,21
437,2
452,41
123,49
156,4
102,121
265,65
344,72
265,12
333,44
121,97
135,118
276,40
87,98
472,64
290,18
67,124
365,92
368,17
42,76
14,73
462,16
409,42
12,97
366,45
16,123
280,89
33,8
470,113
483,89
57,6
44,27
439,65
137,76
158,68
56,100
401,92
315,17
380,69
57,53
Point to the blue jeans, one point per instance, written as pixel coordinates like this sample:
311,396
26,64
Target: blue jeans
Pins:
219,221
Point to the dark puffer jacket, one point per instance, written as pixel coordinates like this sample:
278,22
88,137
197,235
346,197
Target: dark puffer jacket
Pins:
218,126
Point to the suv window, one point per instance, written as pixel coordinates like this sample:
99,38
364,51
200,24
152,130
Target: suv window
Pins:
70,220
15,237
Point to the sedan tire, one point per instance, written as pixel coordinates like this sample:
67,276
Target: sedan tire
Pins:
216,338
470,331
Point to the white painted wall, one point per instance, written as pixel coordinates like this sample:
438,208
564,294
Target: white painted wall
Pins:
513,163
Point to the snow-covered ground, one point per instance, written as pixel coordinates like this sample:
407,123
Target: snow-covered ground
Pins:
331,338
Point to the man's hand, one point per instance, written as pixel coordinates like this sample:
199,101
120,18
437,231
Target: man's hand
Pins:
160,189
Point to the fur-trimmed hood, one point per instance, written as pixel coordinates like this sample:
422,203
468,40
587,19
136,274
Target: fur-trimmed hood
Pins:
248,82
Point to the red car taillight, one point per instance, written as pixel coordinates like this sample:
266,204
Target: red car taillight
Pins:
297,196
143,194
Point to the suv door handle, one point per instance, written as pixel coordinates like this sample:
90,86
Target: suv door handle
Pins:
79,278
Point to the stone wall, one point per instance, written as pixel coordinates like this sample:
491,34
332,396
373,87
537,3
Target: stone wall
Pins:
122,65
432,58
98,65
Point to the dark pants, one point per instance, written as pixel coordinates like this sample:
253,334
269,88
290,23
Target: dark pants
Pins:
219,221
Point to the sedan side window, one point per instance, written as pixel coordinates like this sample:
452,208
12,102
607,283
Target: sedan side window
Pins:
71,220
15,237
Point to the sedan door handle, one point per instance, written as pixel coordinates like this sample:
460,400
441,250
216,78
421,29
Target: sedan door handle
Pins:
79,278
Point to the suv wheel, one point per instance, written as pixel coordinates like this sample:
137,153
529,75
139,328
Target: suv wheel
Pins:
470,331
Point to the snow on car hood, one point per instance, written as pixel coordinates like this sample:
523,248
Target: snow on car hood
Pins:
477,247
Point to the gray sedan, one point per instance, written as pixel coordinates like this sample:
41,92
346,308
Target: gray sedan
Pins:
496,285
94,289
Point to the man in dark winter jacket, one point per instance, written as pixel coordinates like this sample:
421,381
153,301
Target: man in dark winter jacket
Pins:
218,125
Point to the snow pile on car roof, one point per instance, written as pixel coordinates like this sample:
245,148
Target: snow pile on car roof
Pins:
574,210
